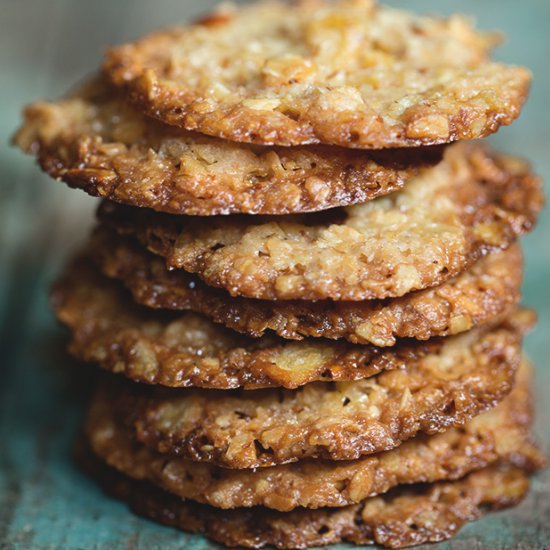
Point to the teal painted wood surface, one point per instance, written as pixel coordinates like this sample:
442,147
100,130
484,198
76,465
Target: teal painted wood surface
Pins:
45,503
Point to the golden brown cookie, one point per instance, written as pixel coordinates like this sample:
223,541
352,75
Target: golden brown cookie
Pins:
349,73
501,434
95,141
477,296
186,349
404,517
472,202
469,374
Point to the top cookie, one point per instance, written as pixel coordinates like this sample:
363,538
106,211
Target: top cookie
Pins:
347,73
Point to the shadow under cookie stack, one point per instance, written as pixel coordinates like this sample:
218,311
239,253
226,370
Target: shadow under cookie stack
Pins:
307,295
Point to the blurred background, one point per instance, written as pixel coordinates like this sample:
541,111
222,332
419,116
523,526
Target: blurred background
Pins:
46,46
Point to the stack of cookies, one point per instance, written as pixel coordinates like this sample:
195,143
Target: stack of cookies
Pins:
307,295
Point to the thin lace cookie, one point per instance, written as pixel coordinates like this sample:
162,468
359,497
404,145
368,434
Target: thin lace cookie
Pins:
500,435
478,295
469,374
93,140
406,516
471,203
349,73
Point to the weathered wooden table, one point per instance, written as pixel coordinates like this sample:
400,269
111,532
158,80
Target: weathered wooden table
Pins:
46,45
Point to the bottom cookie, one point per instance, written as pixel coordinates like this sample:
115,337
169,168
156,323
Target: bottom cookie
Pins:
401,518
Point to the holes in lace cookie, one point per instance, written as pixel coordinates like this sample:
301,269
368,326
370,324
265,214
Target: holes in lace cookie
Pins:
155,242
327,374
216,474
450,408
358,518
262,451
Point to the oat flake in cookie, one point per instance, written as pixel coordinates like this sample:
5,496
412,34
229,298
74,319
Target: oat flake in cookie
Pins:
349,73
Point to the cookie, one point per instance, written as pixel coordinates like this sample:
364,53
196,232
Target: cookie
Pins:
350,73
335,421
186,349
477,296
404,517
501,434
471,203
95,141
